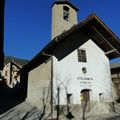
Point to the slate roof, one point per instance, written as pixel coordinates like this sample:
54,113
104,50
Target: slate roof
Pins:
92,26
115,65
17,61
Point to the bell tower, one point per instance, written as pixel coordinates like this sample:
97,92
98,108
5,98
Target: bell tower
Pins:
64,16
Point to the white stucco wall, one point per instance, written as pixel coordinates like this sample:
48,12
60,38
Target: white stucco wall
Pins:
68,73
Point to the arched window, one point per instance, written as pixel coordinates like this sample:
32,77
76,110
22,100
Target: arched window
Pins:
66,13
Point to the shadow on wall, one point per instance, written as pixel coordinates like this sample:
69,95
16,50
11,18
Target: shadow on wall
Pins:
71,43
11,97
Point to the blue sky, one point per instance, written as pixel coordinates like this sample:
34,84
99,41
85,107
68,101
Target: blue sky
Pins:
28,23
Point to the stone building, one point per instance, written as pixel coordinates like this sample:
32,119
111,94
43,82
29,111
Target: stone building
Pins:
10,75
74,66
115,71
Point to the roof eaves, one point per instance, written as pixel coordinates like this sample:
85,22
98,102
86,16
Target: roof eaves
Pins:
53,42
105,26
50,44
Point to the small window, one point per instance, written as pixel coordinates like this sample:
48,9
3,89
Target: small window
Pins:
66,13
5,73
82,56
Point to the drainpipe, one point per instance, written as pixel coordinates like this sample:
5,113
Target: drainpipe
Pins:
58,106
51,56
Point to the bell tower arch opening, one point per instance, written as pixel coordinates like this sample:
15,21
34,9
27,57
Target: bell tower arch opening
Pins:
66,14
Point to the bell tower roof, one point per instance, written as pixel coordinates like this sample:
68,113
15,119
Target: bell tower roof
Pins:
64,16
65,2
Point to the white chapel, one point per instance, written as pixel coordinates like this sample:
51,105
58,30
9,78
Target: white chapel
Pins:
75,63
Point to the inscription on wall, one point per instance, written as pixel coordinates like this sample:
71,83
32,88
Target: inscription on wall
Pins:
85,81
84,78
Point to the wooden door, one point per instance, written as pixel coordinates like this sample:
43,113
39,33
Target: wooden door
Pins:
85,100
